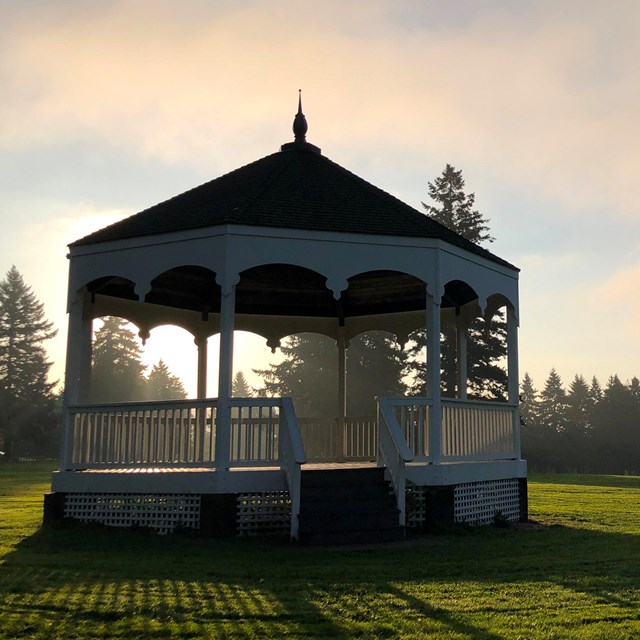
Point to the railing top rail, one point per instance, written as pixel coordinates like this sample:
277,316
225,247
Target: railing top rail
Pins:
255,402
297,446
395,432
478,404
148,404
172,404
408,401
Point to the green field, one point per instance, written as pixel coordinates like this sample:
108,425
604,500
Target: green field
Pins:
573,573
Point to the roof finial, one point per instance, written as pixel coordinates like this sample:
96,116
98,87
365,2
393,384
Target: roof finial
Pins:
300,122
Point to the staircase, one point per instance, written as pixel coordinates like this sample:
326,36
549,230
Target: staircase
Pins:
347,506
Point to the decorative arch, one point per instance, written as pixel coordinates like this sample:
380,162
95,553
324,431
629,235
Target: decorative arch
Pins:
189,287
381,292
284,289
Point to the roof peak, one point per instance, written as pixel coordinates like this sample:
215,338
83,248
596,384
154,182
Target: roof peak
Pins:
300,128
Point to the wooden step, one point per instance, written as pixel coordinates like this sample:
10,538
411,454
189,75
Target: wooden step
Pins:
347,506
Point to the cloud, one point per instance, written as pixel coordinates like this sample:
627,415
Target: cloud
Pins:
546,99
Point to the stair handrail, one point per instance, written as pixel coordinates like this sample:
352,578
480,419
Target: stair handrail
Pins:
292,457
393,452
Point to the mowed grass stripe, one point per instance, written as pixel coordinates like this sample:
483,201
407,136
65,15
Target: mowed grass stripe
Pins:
571,574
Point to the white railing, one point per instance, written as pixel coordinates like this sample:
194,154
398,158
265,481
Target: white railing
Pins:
393,452
478,430
323,441
412,416
142,434
292,456
255,432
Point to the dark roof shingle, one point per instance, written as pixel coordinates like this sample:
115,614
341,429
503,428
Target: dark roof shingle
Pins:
295,188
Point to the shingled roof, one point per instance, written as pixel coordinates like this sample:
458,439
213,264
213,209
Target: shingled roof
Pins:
295,188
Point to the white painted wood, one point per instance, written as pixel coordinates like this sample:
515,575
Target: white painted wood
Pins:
292,458
513,376
393,453
342,391
202,345
178,433
225,375
461,359
433,376
477,430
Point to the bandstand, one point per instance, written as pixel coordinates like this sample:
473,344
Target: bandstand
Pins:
290,243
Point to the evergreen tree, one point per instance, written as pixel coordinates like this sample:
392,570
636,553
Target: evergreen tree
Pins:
453,208
528,402
616,430
595,391
163,385
553,403
634,387
27,405
579,403
118,373
309,373
486,340
240,388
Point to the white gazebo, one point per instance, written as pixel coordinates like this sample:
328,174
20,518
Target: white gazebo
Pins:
290,243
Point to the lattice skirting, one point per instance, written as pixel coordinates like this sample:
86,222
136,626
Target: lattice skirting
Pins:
479,502
265,512
474,503
160,512
415,505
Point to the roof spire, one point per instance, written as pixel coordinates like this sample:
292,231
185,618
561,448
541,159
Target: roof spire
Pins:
300,131
300,126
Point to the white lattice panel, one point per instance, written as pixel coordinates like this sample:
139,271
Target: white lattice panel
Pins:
161,512
263,512
415,504
478,502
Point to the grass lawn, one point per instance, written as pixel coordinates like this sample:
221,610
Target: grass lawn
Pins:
573,573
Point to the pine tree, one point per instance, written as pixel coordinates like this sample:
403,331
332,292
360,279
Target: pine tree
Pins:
309,373
579,403
595,391
163,385
118,373
529,412
553,403
486,340
240,388
26,401
454,208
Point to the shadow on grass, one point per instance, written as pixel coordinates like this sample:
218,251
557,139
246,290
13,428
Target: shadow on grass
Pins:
88,581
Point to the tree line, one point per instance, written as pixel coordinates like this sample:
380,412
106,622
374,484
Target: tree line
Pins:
585,428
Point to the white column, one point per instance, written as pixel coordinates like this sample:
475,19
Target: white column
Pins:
512,375
342,392
201,343
225,373
77,376
461,358
433,378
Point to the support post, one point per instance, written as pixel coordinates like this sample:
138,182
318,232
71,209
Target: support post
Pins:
201,343
433,378
461,358
342,392
77,376
512,376
225,373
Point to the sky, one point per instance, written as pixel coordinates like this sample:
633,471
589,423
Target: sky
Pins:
109,107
